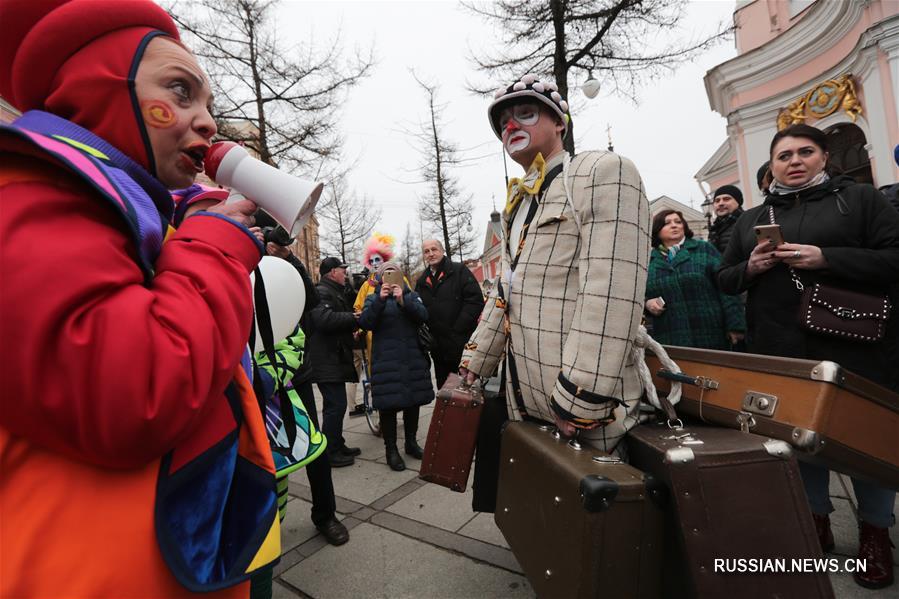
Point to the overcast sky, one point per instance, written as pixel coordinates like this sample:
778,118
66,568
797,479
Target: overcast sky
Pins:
669,135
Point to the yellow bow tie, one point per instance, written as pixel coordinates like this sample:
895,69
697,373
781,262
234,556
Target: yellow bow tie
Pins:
527,185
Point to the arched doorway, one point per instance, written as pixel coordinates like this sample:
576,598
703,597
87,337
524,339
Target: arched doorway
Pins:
846,143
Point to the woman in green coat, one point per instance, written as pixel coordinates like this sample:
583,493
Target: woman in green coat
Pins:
682,296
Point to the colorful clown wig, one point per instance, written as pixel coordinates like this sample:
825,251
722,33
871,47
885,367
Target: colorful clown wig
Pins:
378,244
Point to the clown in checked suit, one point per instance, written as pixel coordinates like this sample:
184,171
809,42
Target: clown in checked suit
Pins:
568,305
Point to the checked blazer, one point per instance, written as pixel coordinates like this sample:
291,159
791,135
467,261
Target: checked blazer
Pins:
574,300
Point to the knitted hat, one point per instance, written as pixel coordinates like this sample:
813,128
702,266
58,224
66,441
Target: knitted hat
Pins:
77,59
528,87
731,190
378,244
185,198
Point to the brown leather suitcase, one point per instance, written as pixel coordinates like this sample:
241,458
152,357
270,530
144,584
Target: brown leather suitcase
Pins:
832,416
736,505
449,449
580,522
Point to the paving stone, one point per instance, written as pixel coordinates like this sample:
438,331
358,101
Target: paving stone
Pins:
437,506
281,591
288,561
473,548
297,527
372,447
366,481
841,486
483,528
390,565
844,526
397,494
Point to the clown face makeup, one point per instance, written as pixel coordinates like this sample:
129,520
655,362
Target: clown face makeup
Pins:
529,129
375,261
175,101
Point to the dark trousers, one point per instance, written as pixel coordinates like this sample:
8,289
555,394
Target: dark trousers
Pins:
318,471
486,463
388,424
442,370
333,412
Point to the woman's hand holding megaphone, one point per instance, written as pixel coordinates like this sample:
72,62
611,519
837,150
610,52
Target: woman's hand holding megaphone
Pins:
242,210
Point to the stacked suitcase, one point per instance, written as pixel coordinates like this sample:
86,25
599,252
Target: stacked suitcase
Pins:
737,517
580,522
830,416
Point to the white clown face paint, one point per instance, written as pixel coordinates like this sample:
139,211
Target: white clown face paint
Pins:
516,141
376,260
526,131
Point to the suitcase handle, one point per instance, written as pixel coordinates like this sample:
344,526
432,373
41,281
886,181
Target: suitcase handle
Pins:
697,381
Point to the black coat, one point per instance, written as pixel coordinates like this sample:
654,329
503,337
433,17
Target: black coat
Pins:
858,233
722,228
329,340
454,302
401,371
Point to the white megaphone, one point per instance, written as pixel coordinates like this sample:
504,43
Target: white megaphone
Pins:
290,200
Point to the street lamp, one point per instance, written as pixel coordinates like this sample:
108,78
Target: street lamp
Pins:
707,212
468,227
591,86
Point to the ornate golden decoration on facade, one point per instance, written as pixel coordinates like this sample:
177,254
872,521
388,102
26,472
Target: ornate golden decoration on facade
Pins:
823,100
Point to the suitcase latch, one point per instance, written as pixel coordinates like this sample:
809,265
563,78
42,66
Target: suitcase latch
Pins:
759,403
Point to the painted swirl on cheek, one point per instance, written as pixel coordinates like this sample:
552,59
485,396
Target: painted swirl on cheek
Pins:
158,114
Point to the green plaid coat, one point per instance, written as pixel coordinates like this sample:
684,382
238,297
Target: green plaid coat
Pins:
696,313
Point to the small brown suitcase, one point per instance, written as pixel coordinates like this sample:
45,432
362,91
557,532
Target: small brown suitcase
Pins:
453,434
580,522
832,416
737,514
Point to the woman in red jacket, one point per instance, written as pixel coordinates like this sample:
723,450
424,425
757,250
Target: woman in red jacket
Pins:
128,436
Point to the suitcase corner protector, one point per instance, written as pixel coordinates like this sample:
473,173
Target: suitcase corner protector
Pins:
679,455
597,492
806,440
828,372
778,449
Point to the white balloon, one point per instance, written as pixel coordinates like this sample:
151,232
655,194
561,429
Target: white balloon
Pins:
590,88
285,296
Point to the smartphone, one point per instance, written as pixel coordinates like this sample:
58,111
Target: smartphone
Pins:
769,232
661,301
393,277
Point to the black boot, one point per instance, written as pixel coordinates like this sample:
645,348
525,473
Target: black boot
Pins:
410,427
388,432
393,457
414,449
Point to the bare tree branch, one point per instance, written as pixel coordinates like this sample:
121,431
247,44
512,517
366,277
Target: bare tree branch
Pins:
444,210
278,100
606,37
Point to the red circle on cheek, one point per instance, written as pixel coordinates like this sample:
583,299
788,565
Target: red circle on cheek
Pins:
158,114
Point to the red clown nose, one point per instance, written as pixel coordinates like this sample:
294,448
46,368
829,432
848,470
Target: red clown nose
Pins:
512,125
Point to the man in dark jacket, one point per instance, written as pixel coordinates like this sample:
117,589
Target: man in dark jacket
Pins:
728,205
330,348
454,301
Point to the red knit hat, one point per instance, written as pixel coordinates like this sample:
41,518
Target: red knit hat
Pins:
77,59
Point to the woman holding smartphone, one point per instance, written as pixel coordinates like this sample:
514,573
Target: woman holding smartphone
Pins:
400,369
839,233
